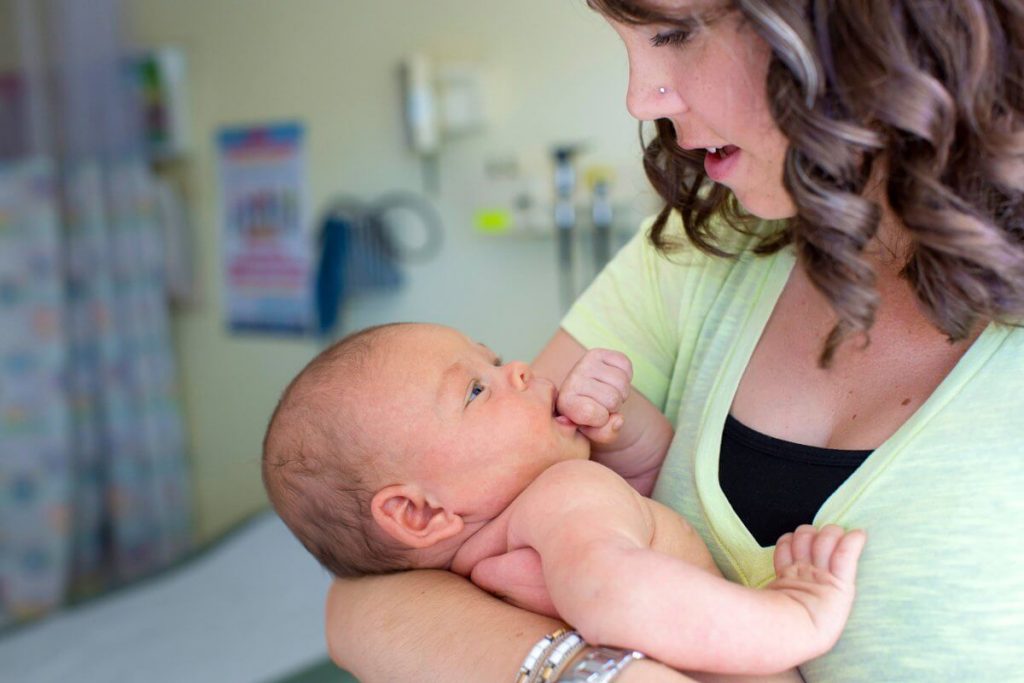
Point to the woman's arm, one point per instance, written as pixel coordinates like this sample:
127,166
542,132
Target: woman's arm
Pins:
558,357
425,626
435,626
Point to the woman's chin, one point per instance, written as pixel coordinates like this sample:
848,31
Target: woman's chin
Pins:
769,207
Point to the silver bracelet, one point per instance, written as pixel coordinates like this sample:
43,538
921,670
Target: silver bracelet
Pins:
600,665
560,654
527,668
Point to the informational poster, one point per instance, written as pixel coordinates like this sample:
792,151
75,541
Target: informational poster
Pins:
267,249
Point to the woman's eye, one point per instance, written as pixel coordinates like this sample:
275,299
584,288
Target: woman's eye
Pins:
670,38
475,391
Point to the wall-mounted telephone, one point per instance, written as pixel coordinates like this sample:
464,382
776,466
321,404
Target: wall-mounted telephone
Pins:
422,120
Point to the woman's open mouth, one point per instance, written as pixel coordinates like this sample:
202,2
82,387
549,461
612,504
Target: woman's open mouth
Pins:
720,161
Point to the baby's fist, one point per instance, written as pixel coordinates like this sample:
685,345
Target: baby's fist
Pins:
594,391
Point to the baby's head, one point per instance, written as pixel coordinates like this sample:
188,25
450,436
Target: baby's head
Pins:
396,444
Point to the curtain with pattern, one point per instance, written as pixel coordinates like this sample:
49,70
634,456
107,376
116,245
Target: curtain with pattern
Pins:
93,472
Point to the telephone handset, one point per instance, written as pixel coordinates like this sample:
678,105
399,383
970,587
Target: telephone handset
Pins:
421,110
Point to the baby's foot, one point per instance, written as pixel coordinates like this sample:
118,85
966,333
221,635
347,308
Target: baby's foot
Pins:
817,568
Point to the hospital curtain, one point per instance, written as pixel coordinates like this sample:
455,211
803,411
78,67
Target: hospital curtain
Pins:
93,473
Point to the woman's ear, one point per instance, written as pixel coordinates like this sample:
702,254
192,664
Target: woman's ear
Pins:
405,515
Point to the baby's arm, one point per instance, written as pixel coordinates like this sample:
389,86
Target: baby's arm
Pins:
629,434
605,579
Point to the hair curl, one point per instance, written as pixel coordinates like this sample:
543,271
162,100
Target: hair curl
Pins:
927,94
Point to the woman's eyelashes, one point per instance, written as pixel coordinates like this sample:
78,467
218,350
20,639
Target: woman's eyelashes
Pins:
675,37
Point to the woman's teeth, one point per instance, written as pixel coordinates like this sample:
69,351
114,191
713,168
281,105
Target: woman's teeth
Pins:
721,152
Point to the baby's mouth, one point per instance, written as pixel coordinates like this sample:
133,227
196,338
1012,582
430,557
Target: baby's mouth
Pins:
560,419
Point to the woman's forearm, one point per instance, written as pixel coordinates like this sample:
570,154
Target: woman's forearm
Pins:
435,626
427,626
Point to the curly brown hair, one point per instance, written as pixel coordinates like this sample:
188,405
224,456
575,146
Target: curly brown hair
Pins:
929,96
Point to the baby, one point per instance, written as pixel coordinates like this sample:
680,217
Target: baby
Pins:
410,446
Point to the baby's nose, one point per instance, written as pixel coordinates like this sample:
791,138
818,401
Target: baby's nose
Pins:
520,374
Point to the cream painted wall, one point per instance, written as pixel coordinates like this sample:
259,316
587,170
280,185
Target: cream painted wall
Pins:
8,36
554,72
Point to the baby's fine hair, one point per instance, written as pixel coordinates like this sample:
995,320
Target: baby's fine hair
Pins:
316,459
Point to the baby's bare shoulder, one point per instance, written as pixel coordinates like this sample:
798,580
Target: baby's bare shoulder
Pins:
580,479
583,496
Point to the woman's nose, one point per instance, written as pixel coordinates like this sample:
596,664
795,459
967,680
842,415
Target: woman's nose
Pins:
650,95
647,102
520,374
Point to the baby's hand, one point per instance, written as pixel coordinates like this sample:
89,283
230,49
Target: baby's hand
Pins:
818,568
593,393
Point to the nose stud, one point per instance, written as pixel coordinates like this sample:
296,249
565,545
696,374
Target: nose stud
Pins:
662,90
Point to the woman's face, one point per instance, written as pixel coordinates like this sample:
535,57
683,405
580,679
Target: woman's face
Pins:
714,80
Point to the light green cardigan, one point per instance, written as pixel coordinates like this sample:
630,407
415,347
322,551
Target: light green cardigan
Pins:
941,582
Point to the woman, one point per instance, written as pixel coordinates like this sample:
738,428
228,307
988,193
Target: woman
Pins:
856,362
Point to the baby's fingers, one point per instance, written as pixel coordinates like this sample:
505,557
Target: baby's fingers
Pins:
583,410
605,434
613,360
607,396
843,563
803,537
824,545
605,367
783,553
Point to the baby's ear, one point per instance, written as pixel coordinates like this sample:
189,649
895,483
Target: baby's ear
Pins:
403,512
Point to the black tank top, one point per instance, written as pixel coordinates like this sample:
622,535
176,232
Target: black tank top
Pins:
774,485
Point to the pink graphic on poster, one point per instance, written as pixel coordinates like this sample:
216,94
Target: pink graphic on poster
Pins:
267,248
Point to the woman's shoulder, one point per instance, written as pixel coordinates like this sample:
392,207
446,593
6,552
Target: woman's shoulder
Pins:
736,242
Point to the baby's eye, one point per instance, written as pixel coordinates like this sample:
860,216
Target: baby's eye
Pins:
475,391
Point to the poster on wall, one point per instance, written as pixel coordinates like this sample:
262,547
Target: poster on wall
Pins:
267,250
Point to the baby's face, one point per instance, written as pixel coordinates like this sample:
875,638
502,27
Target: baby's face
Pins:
481,430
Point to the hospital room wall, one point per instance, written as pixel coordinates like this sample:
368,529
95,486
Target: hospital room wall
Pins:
554,72
8,45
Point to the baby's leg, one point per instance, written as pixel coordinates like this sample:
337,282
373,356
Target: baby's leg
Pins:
817,568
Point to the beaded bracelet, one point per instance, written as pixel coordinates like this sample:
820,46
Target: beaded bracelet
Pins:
526,669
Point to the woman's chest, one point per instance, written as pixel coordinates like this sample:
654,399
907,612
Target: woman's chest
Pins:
868,391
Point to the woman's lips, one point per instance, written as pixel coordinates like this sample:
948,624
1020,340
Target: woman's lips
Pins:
720,164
